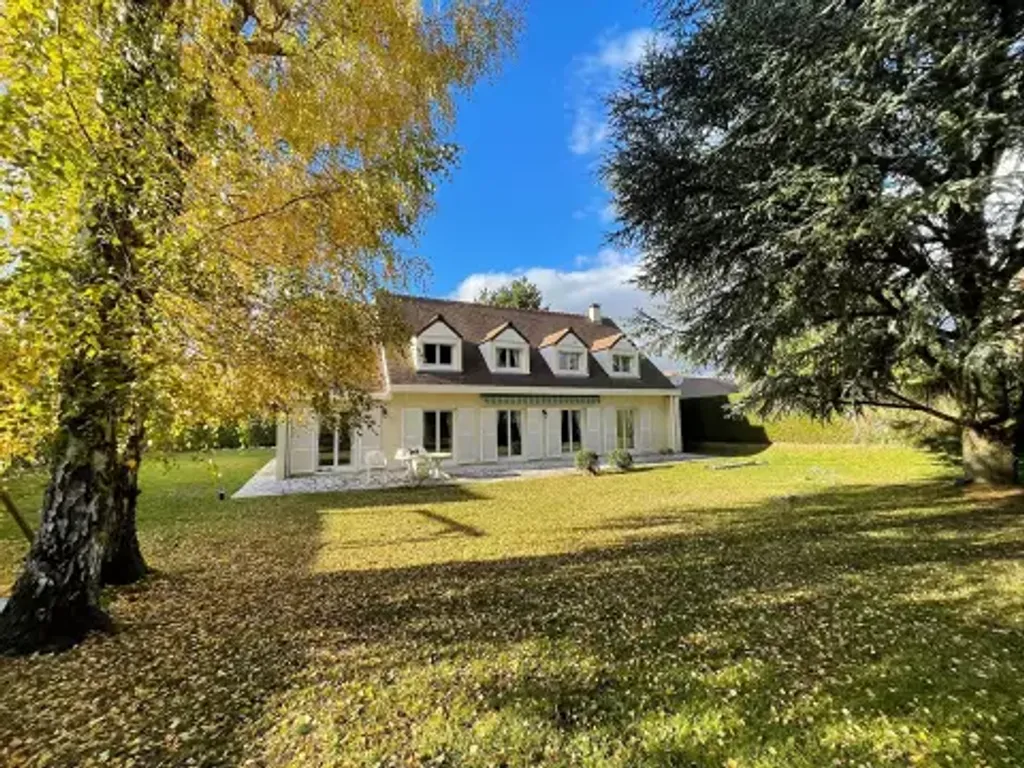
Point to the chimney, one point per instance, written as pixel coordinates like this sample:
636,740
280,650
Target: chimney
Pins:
594,313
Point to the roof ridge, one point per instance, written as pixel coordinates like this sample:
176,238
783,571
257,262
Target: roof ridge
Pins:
436,300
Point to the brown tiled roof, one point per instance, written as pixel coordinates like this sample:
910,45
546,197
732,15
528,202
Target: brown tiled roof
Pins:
608,342
557,336
496,332
473,322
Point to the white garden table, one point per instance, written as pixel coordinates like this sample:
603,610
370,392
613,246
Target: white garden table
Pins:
433,461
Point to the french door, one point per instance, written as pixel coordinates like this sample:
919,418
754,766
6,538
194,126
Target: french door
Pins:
510,434
334,444
572,431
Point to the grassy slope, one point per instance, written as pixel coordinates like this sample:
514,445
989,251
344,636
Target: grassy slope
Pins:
839,605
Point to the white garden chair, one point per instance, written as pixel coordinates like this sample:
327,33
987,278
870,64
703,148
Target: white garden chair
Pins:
376,463
417,465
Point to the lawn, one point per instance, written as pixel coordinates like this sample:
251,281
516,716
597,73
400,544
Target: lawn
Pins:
832,605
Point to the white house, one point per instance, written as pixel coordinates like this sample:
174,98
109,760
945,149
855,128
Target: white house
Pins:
489,384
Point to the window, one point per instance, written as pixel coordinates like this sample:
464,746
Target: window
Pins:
572,431
624,430
437,431
508,357
334,443
622,363
570,361
437,354
510,433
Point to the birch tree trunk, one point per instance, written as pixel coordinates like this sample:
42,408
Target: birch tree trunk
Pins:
56,598
123,562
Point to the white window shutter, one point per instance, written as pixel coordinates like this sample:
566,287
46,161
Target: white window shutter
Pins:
592,438
610,427
412,427
554,418
488,434
368,436
466,449
644,438
302,436
534,433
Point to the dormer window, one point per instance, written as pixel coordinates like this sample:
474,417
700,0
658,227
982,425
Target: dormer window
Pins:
506,350
437,346
565,353
622,363
508,357
570,361
438,354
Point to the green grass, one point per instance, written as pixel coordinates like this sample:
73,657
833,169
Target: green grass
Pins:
826,606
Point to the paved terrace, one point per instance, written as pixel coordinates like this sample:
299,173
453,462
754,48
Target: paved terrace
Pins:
264,483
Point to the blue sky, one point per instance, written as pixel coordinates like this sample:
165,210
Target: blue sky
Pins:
526,198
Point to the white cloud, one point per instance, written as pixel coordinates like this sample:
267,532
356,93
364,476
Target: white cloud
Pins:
604,278
589,130
594,76
609,213
624,51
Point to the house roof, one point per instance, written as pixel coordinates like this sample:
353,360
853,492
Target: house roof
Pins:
608,342
496,332
474,322
692,387
557,336
437,318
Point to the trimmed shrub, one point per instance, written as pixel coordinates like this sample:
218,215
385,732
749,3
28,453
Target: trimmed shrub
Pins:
621,458
586,461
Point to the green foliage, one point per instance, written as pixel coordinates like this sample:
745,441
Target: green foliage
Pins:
829,198
186,226
519,294
621,459
586,461
253,433
795,614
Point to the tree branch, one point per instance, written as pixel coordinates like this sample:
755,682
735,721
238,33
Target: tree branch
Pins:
264,47
908,403
8,503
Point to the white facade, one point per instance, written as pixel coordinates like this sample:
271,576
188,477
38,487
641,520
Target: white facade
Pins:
473,434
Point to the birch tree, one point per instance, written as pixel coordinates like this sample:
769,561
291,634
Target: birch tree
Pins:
202,198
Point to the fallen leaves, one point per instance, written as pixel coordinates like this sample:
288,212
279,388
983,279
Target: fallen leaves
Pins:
672,617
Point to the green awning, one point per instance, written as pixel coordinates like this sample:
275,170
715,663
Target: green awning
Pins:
541,401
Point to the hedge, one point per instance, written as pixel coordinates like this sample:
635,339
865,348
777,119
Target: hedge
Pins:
706,420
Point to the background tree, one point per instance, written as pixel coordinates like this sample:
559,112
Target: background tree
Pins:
519,294
828,197
203,200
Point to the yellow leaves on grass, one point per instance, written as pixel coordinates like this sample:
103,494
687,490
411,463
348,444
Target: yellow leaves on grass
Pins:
667,617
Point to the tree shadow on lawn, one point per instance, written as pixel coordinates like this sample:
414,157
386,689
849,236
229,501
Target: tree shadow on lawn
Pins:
880,625
796,633
442,493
